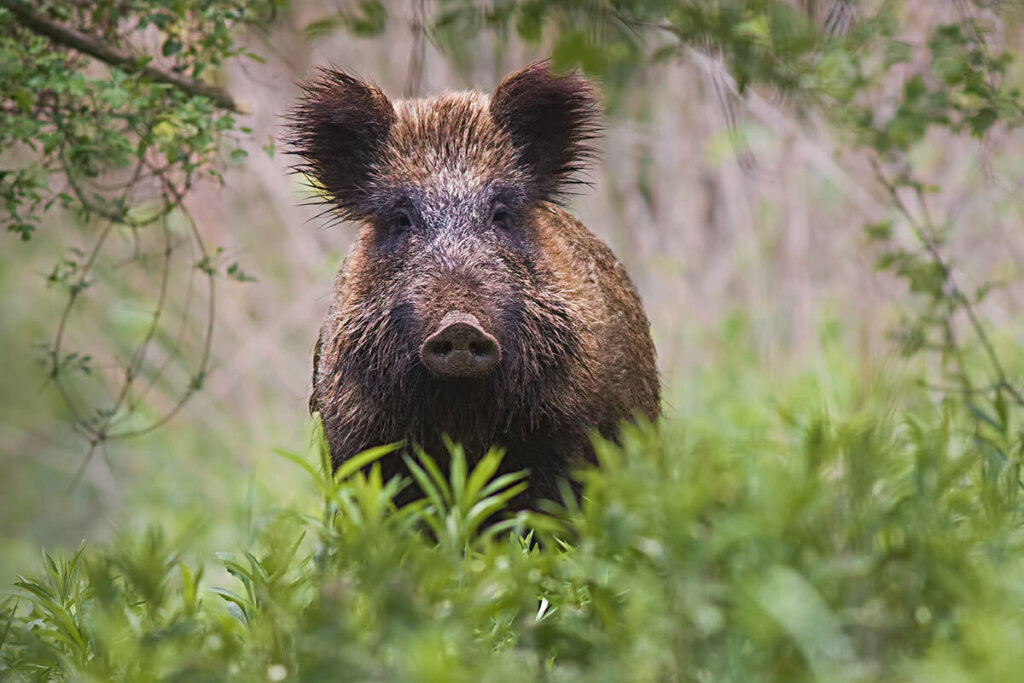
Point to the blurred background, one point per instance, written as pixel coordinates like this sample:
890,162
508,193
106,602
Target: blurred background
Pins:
739,217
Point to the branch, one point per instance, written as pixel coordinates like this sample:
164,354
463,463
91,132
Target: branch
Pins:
924,231
104,52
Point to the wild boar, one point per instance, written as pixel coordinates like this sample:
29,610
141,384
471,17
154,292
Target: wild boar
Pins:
472,303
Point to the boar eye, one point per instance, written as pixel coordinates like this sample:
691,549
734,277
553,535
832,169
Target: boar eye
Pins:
501,218
401,222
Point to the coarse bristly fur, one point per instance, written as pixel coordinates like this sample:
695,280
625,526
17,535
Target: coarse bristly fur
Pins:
459,200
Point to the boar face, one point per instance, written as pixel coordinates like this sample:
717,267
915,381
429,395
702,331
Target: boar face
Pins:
453,318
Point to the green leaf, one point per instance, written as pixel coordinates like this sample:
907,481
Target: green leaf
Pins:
880,231
577,48
982,121
234,598
370,19
427,483
530,20
357,462
298,460
171,47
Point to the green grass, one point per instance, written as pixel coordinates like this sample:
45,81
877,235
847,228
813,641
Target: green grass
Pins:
811,532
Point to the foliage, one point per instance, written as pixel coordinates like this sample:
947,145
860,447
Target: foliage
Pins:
867,546
964,91
97,126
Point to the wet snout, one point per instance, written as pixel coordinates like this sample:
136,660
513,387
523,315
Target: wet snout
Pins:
460,348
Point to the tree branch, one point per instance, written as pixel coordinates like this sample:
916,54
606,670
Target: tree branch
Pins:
104,52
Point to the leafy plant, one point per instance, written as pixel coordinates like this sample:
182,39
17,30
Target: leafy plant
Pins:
862,546
116,138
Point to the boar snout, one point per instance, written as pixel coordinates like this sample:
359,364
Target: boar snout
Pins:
460,348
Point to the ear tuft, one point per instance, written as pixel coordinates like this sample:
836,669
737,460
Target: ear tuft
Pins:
337,128
551,119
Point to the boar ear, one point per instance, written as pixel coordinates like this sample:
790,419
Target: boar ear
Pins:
338,128
551,119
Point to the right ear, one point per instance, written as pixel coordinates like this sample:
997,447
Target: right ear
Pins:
338,128
552,120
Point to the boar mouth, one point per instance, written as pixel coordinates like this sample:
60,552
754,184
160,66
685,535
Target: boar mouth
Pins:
460,348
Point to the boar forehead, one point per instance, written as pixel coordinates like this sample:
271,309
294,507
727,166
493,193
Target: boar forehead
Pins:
448,146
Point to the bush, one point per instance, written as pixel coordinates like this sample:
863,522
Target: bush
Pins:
807,546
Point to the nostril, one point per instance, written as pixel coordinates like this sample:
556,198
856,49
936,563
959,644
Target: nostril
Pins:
481,347
442,347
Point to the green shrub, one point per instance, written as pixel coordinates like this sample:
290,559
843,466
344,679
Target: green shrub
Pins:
812,546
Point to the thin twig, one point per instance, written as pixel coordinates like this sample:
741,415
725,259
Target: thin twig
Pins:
208,339
135,366
86,459
417,51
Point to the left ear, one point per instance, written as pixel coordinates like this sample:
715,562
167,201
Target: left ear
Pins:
551,119
338,128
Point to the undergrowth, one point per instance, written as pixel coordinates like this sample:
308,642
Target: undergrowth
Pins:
869,545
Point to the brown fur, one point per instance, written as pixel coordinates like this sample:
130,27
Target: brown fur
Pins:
458,198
